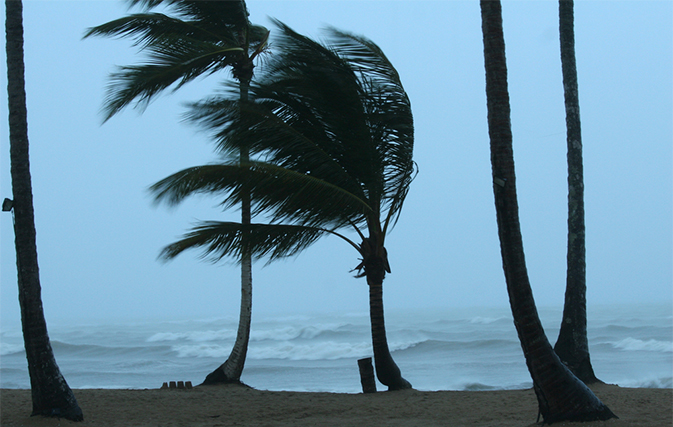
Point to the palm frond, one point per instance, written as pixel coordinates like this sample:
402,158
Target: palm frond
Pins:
269,128
283,194
219,240
230,12
199,38
371,137
391,118
147,29
330,131
318,93
177,52
174,66
335,113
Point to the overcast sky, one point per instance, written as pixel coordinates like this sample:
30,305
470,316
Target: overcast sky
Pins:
99,234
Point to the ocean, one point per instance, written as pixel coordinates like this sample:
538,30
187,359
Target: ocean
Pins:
450,349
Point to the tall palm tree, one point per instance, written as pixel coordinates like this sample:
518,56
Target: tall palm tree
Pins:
50,392
560,395
572,345
331,131
199,38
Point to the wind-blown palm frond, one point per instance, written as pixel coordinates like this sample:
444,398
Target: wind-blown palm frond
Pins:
205,37
220,240
169,66
332,114
346,98
148,29
331,128
282,194
219,13
392,111
274,131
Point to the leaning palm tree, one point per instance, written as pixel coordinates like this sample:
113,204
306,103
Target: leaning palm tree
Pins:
572,345
330,130
560,394
50,393
199,38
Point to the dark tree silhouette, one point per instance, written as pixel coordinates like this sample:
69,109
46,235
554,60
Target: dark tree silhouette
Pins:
50,392
198,38
561,396
333,129
572,345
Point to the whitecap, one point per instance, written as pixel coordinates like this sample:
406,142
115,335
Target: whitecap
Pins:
663,382
7,349
326,350
288,333
201,350
632,344
195,336
484,320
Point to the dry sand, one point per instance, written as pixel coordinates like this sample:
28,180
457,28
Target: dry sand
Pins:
240,406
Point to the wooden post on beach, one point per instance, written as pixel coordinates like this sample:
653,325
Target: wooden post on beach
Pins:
367,375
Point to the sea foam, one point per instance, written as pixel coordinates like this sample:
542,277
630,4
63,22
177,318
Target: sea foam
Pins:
476,349
633,344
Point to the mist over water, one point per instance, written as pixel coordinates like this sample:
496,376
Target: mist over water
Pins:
453,349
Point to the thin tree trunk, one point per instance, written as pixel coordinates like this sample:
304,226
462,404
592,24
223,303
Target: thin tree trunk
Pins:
51,394
572,345
561,396
230,371
387,371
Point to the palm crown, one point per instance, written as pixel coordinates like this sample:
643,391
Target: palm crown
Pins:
196,38
330,129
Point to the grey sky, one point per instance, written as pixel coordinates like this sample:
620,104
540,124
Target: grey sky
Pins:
99,235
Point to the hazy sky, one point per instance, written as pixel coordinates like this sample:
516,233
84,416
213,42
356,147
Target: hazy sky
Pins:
99,234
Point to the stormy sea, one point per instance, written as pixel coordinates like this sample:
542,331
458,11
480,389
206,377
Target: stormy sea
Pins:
449,349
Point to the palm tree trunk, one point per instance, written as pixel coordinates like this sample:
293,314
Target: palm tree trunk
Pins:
572,345
51,394
560,395
387,371
230,371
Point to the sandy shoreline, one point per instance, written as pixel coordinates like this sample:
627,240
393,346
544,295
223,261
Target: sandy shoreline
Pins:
241,406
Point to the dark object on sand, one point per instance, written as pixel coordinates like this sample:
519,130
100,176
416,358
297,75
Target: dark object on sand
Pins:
367,375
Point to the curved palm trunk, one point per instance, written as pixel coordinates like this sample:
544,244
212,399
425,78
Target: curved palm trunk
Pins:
50,392
560,395
230,371
572,345
387,371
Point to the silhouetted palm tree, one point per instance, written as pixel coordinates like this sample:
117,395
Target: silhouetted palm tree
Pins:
50,392
331,130
572,345
560,395
198,38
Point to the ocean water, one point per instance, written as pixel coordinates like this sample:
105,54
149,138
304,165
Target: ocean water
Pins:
451,349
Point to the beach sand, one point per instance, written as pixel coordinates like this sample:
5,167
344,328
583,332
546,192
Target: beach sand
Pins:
232,405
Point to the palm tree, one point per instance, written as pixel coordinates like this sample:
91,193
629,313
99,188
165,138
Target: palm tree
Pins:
331,132
560,395
202,37
50,392
572,345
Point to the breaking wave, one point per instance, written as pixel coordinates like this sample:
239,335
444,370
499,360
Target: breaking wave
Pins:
633,344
